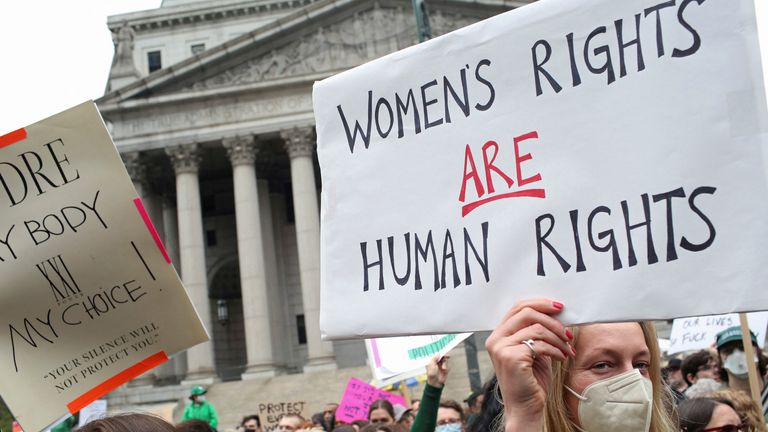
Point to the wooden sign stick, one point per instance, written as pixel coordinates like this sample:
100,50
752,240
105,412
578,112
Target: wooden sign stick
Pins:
749,351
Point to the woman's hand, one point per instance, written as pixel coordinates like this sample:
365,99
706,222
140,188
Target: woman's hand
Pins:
437,371
524,373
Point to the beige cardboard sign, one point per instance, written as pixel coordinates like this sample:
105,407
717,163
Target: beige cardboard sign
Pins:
89,297
271,412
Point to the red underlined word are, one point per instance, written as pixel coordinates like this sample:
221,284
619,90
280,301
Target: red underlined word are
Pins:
485,191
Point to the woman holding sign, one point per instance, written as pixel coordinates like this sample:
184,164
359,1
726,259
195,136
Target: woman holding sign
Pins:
595,378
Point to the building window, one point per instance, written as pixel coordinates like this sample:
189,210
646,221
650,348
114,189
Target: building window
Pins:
301,329
154,61
210,237
197,48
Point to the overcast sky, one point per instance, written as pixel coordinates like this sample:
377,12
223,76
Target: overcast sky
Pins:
55,54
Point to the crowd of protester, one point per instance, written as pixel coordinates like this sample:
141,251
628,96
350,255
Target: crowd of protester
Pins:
549,378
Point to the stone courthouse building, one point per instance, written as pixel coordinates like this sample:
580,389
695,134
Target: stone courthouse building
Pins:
210,104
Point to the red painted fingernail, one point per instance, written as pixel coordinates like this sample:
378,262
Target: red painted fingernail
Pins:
574,351
557,305
568,334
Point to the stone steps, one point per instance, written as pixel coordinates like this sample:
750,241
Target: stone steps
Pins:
269,397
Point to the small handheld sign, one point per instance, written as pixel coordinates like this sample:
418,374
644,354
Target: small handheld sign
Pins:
395,359
696,333
359,396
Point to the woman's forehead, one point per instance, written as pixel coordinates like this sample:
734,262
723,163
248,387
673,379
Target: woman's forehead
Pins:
611,335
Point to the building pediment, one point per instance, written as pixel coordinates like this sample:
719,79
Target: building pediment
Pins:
356,39
318,40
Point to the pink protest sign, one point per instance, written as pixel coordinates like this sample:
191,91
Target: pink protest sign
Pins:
358,397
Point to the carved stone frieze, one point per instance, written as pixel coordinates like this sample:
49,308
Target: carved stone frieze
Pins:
443,23
241,150
351,42
185,158
299,141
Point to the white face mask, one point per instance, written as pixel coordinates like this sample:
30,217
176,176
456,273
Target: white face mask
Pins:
736,364
450,427
619,403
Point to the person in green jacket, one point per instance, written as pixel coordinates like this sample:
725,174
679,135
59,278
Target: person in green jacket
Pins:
200,409
437,373
67,425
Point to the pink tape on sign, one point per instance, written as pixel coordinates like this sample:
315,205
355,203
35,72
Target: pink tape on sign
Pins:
151,228
375,349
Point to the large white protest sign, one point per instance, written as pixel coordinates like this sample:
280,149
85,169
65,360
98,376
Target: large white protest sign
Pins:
89,296
606,154
397,358
696,333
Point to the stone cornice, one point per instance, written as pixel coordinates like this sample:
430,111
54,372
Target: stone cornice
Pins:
241,150
299,142
175,99
185,158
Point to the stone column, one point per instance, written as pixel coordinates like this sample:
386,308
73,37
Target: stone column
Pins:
277,325
177,365
300,144
250,250
186,160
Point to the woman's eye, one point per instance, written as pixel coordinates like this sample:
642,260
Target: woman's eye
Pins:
642,365
601,365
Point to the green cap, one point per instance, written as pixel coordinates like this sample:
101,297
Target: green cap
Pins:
732,334
197,391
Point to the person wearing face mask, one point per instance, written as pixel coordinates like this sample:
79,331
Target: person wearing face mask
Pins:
200,409
593,378
437,374
450,417
733,363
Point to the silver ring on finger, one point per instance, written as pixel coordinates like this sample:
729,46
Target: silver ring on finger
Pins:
529,343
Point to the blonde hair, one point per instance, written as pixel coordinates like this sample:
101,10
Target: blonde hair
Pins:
747,409
556,417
